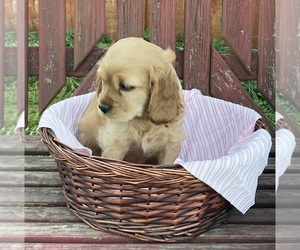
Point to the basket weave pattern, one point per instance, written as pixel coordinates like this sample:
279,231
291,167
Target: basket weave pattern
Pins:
150,203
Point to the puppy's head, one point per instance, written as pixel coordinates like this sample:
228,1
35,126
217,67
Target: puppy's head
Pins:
136,79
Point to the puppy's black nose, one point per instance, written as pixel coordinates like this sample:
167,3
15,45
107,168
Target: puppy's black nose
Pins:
104,108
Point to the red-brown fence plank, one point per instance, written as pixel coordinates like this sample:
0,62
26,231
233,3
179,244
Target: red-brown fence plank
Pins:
89,27
266,51
288,51
131,19
225,85
2,19
238,69
52,49
197,44
22,79
237,28
163,23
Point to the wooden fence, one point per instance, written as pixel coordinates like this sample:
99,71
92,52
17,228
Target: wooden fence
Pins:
111,16
288,66
199,65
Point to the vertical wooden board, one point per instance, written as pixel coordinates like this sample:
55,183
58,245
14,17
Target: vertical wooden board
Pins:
89,27
52,50
266,51
237,28
131,21
163,23
2,63
22,65
197,44
225,85
288,46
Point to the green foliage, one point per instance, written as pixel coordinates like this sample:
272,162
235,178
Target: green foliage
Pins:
105,42
289,109
251,87
147,34
10,39
220,45
33,39
10,106
33,102
33,105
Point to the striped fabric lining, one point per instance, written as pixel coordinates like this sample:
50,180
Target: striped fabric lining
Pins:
285,146
220,147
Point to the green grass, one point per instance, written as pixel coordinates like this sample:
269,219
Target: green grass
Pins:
72,83
33,108
251,87
288,108
10,39
10,106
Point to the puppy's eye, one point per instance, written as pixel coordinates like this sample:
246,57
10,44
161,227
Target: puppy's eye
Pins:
124,87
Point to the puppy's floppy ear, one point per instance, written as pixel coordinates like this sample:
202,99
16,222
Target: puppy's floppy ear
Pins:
166,101
98,82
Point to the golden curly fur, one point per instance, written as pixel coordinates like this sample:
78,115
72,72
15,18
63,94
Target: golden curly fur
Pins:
137,111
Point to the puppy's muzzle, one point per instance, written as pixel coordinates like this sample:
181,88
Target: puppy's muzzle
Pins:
104,108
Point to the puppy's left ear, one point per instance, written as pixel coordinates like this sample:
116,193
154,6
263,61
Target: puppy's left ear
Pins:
98,82
166,98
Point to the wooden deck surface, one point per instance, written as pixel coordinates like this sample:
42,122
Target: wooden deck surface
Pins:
49,225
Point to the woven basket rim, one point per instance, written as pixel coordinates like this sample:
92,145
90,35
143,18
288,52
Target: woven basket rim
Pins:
44,131
93,165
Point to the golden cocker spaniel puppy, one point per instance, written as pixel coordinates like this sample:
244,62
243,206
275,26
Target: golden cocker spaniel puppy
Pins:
138,108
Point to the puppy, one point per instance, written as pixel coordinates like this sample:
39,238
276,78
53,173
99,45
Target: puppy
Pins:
137,111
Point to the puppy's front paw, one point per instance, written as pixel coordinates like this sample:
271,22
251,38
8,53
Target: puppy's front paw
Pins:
169,154
114,153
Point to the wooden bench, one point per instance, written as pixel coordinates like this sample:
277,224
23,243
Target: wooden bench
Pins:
49,224
288,204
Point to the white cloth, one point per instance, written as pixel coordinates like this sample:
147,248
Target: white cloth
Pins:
285,146
220,147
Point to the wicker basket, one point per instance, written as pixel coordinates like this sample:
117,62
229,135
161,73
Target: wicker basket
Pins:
150,203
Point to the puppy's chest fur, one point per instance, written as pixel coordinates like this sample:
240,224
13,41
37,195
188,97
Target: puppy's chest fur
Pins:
141,137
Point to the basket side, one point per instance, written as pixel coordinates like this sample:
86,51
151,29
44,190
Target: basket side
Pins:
149,211
165,204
